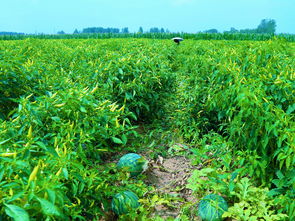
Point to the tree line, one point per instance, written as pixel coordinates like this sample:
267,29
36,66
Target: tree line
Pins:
10,33
125,30
266,26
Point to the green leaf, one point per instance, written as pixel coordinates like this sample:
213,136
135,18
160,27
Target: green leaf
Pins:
275,192
56,119
128,95
51,195
50,149
279,174
2,173
4,141
65,172
16,196
288,162
17,213
231,186
48,207
117,140
290,109
82,109
234,175
124,139
211,207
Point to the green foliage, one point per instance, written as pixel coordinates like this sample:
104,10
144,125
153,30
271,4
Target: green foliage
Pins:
224,175
17,213
246,34
247,202
13,79
211,207
69,107
253,204
67,123
284,192
267,26
245,92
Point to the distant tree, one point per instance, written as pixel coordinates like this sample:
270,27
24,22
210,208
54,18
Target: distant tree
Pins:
100,30
248,31
167,30
267,26
115,30
140,30
125,30
76,31
233,30
88,30
211,31
60,32
10,33
154,30
162,30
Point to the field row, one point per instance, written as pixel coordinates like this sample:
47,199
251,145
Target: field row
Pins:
197,36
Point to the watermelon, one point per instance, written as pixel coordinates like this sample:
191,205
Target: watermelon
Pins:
124,202
212,207
134,163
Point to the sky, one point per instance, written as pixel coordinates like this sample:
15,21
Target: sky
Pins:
51,16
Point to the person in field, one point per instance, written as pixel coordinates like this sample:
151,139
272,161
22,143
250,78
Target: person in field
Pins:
177,40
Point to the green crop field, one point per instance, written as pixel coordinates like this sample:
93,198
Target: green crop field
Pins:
70,108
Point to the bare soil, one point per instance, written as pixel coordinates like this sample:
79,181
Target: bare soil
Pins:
169,176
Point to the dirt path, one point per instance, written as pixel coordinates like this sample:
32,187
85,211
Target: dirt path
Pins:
169,176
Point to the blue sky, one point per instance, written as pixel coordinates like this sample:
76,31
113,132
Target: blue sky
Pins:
50,16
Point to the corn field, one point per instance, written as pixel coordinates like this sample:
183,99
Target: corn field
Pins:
197,36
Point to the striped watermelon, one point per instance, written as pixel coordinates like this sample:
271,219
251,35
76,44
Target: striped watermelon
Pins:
124,202
212,207
135,163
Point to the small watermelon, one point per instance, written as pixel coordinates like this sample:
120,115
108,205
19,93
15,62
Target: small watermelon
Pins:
212,207
135,163
124,202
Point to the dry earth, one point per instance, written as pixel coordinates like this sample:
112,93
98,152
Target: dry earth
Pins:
169,176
